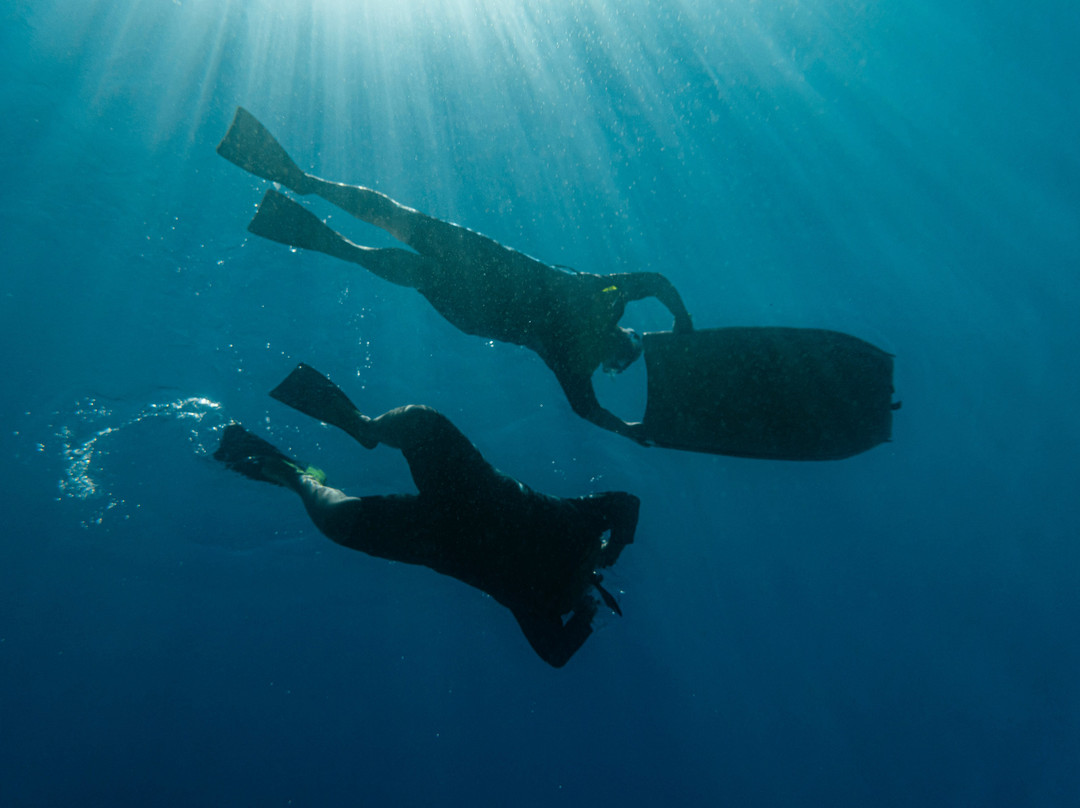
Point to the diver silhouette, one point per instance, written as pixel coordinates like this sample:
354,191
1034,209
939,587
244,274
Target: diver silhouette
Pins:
571,319
538,555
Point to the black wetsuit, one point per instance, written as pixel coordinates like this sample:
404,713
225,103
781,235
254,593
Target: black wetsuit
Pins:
496,292
485,288
535,554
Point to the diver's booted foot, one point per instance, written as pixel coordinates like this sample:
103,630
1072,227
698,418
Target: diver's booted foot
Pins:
258,459
360,433
250,145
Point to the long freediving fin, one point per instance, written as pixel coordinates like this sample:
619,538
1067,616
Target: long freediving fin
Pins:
252,456
250,145
312,393
288,222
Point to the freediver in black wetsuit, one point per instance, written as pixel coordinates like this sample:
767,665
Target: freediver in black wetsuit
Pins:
537,555
485,289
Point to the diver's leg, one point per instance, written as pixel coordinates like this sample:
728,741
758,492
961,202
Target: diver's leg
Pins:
442,460
381,526
250,145
374,525
410,426
332,511
282,220
413,429
433,446
431,237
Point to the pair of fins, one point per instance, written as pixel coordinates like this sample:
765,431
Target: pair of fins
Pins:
250,145
305,390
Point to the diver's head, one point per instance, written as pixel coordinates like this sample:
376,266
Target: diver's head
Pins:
623,349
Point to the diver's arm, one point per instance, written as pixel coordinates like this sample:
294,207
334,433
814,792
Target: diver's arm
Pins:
554,641
582,397
639,285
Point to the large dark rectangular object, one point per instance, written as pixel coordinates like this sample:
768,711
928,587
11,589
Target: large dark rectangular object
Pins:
774,393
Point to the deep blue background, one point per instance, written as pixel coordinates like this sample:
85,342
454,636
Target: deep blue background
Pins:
895,629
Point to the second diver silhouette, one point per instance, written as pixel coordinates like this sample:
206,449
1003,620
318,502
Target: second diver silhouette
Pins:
538,555
571,319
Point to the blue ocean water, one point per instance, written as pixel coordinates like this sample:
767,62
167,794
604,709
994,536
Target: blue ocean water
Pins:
894,629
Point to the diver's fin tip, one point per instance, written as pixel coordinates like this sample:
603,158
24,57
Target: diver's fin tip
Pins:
250,145
308,391
251,456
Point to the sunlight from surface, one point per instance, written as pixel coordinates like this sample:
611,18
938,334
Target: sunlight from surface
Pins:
333,62
608,83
